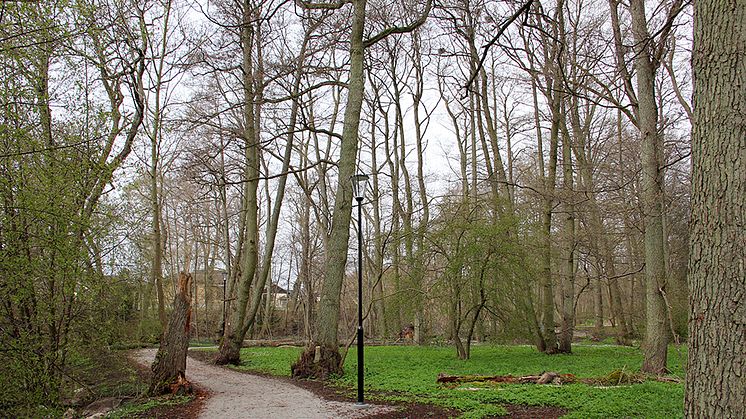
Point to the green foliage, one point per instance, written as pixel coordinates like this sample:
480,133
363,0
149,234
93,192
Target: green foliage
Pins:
480,261
202,343
56,298
410,372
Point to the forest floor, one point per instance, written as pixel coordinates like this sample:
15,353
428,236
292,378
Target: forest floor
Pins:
241,395
407,375
401,383
274,361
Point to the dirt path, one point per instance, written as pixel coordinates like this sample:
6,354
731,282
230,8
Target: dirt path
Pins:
240,395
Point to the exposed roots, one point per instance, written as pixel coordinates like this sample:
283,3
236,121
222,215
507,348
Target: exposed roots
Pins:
319,362
178,385
229,353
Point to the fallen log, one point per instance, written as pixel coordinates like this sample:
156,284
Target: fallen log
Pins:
615,378
274,343
543,378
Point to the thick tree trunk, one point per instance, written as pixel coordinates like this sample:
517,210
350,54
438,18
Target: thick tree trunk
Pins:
169,367
656,331
716,369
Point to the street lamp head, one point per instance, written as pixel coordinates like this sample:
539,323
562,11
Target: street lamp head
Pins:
359,184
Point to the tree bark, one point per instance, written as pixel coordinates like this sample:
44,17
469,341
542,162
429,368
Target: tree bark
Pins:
419,269
169,367
548,341
567,261
234,332
716,368
655,348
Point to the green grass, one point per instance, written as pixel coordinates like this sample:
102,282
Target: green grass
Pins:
409,373
266,360
202,344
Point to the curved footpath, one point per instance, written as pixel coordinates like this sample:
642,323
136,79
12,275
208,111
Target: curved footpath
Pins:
240,395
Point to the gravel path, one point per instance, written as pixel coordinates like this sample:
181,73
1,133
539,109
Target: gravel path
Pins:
240,395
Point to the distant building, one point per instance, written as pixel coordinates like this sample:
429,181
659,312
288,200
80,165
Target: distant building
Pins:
280,297
210,284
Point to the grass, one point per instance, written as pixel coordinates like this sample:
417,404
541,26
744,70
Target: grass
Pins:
268,360
409,373
202,343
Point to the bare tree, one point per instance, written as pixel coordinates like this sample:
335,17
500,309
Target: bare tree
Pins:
329,360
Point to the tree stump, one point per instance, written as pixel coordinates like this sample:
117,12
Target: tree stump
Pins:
169,366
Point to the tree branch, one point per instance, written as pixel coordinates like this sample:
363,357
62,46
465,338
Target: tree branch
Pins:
500,31
321,6
400,29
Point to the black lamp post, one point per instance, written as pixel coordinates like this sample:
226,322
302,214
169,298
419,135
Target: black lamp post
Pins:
359,183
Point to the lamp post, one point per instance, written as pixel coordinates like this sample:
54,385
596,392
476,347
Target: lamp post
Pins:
359,183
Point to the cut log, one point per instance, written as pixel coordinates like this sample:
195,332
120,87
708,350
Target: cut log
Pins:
169,367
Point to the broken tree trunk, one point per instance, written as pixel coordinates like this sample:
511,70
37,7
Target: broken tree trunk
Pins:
169,367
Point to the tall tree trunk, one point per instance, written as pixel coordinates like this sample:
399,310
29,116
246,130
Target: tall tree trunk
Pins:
541,344
656,330
231,344
567,260
336,257
419,268
548,342
274,211
155,203
716,368
379,308
391,146
328,361
407,213
156,134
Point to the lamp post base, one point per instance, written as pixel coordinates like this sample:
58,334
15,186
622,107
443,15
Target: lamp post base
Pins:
361,405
